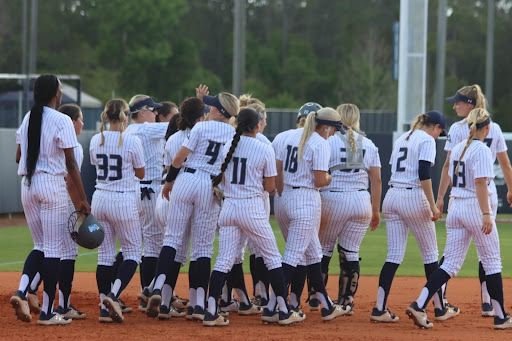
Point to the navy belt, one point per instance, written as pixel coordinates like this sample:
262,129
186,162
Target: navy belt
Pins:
359,190
146,182
401,187
192,170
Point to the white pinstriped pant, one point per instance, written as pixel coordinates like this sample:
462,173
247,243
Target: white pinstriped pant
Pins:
152,233
346,217
404,210
192,200
69,247
239,216
45,204
162,208
252,249
117,213
301,213
464,222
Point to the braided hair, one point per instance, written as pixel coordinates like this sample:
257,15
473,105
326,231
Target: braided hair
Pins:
172,127
246,120
476,116
419,122
350,120
46,87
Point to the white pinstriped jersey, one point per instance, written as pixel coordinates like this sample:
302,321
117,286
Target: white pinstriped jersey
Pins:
406,156
251,161
278,142
152,137
476,163
173,145
315,156
263,138
459,132
79,155
206,141
115,165
351,179
57,133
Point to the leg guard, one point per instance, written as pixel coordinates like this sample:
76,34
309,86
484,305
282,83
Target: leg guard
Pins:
349,278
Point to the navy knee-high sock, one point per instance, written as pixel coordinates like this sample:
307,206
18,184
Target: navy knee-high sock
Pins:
441,261
167,255
325,268
429,270
254,274
192,269
262,272
203,274
50,273
298,280
149,270
387,274
317,283
125,274
103,276
495,289
238,280
66,274
217,280
32,265
142,272
172,276
434,283
117,264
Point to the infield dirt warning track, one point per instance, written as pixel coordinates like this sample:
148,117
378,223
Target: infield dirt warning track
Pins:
463,292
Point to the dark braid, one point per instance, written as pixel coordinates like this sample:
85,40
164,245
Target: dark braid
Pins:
172,127
246,120
190,111
45,88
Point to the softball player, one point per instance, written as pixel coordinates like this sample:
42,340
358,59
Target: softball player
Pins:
151,135
299,278
347,207
246,162
192,111
470,217
466,99
192,198
118,158
46,140
409,205
304,164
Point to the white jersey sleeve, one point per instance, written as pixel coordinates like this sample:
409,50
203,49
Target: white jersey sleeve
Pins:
263,138
427,151
321,155
79,155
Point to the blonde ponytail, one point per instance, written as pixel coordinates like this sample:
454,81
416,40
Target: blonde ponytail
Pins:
474,92
417,124
350,117
118,108
326,114
476,116
102,126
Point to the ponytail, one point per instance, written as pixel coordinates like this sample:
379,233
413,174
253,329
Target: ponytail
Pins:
350,116
474,92
419,122
309,129
115,110
476,116
46,87
236,138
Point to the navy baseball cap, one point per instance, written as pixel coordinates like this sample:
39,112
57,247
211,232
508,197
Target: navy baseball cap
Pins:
436,117
148,102
215,102
460,98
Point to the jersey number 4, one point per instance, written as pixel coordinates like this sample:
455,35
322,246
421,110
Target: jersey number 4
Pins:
112,162
290,164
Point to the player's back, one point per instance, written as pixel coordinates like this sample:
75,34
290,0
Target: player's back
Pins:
406,155
173,145
251,161
115,164
205,143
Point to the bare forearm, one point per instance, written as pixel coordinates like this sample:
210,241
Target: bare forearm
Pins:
426,185
75,188
445,179
482,195
376,188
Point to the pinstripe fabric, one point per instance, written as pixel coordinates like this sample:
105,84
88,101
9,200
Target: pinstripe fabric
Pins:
117,213
346,217
245,215
266,202
45,204
57,133
406,210
464,222
69,247
173,144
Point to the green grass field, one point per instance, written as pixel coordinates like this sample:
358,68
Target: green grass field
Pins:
16,243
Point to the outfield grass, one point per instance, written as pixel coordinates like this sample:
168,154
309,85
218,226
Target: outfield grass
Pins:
16,243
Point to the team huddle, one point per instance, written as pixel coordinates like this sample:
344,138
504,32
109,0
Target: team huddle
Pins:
174,177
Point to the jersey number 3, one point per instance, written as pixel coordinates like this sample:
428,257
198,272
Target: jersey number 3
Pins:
112,162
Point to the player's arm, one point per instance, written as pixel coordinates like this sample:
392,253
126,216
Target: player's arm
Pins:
270,185
483,201
376,189
506,168
18,154
322,178
279,181
140,172
75,186
426,185
443,184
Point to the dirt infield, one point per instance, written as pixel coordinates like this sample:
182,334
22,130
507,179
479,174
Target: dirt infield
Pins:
463,292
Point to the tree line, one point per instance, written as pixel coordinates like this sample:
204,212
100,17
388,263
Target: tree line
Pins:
296,51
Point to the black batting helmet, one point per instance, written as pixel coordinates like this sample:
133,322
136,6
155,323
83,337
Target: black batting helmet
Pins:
307,108
90,234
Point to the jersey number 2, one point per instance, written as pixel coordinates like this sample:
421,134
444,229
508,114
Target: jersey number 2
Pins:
399,168
107,164
291,159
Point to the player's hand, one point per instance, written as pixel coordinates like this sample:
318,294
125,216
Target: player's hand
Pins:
201,91
375,222
84,207
329,178
167,189
509,198
440,206
486,224
435,213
